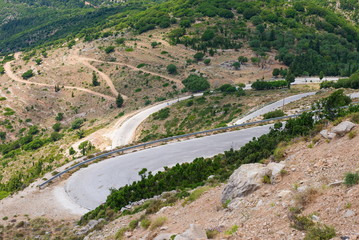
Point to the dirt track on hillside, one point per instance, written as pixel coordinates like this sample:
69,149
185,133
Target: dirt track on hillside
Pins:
13,76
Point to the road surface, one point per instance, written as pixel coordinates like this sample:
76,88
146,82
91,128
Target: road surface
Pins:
89,187
272,107
126,132
301,80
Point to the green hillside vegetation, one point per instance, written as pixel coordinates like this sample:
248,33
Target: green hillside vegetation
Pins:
194,114
212,110
307,36
351,82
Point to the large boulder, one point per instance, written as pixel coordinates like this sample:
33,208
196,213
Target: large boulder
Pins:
194,232
246,179
343,128
328,135
276,170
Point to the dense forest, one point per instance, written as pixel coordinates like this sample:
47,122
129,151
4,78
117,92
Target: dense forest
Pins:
308,36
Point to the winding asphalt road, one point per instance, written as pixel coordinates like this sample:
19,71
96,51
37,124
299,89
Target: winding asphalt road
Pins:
272,107
90,186
126,132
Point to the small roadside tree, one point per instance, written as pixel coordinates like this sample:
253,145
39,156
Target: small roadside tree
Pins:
290,78
330,106
321,75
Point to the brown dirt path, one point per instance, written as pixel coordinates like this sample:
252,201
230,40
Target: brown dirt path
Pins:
13,76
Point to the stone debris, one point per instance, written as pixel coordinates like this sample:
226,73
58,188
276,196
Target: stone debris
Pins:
194,232
248,178
327,134
343,128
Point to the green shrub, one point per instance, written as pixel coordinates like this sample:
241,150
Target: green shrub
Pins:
59,117
55,136
232,230
320,232
212,233
4,194
109,49
28,74
57,127
145,223
158,222
120,233
119,101
162,114
274,114
197,193
352,134
198,56
77,123
302,223
172,69
266,179
355,117
154,206
120,41
133,224
265,85
141,65
351,179
195,83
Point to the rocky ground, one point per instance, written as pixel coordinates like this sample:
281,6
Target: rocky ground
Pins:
309,177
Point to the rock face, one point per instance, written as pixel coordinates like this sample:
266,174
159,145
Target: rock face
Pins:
343,128
194,232
328,135
91,224
248,178
164,236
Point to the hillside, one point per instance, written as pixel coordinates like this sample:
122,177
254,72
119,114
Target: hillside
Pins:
306,36
309,195
73,73
310,181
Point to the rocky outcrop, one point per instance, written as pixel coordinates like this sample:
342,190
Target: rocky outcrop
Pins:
248,178
91,225
327,134
164,236
342,128
194,232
